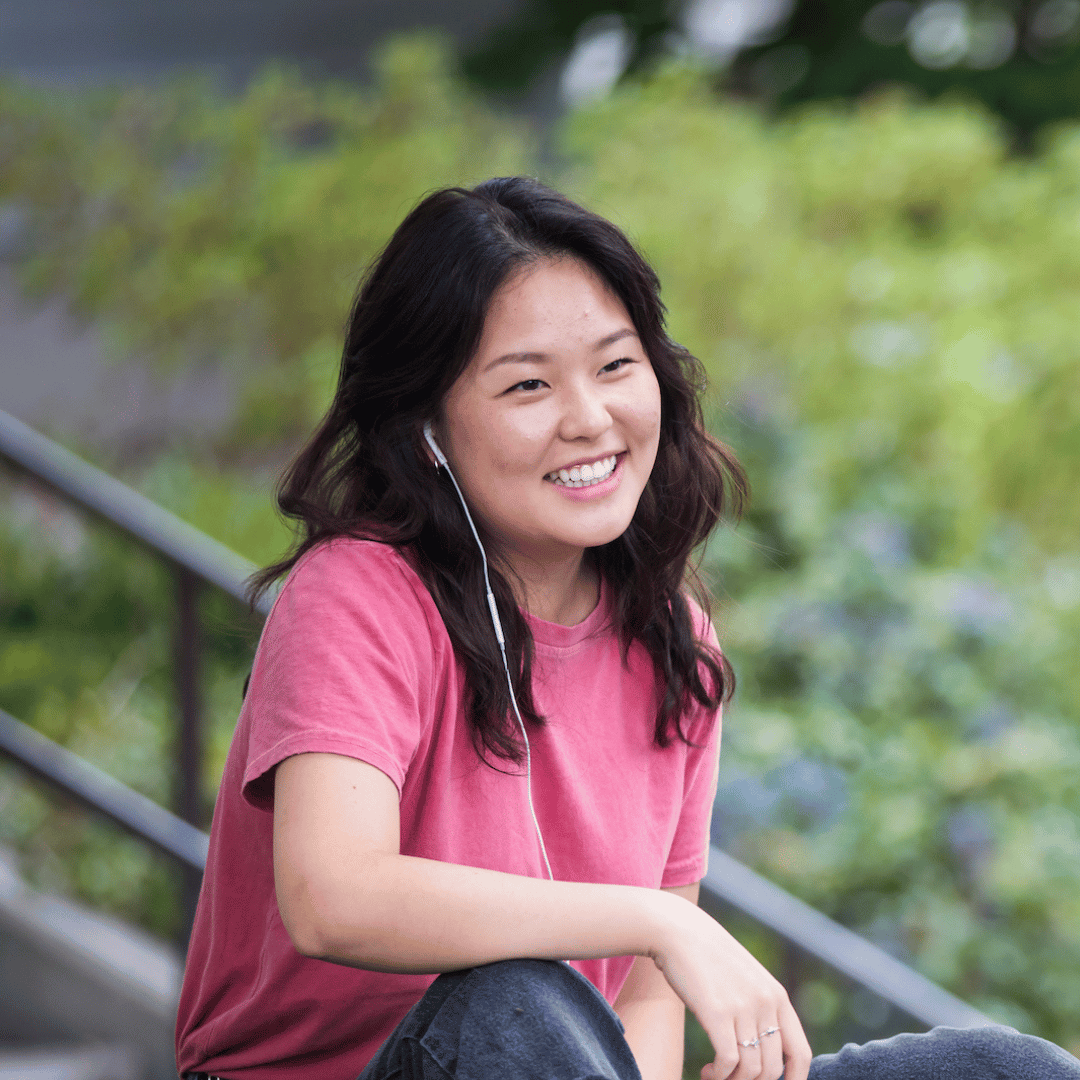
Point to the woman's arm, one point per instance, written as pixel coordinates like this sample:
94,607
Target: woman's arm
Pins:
653,1015
346,894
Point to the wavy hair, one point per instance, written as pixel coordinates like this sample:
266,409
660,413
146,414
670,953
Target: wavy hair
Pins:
414,325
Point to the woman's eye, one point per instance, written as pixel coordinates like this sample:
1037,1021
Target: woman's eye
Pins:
528,384
615,365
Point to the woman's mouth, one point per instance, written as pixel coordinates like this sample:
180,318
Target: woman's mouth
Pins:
585,475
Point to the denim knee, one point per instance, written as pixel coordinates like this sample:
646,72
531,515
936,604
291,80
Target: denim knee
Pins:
531,1019
986,1053
1016,1054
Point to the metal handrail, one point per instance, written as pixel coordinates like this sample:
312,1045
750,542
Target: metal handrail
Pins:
728,880
153,526
196,558
103,794
202,559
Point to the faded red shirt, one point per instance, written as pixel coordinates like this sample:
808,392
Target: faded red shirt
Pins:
355,660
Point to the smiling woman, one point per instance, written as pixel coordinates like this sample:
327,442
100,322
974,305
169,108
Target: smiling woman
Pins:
505,271
482,727
553,429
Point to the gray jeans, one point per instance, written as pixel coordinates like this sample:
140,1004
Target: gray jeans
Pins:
542,1020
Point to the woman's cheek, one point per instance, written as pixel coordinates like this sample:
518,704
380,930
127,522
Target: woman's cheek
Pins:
528,433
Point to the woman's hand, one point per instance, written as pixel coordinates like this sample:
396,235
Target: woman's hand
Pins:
733,996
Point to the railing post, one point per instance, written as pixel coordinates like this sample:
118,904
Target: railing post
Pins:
187,664
791,970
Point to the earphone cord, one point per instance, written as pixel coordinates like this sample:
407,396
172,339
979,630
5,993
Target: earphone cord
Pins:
497,623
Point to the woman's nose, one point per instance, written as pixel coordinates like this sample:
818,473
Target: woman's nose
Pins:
585,414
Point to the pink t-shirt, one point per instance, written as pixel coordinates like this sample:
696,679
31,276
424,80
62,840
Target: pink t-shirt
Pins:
355,660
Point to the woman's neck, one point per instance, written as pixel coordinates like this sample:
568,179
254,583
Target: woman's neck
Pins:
564,593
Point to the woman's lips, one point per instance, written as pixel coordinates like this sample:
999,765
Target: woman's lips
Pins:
595,490
585,472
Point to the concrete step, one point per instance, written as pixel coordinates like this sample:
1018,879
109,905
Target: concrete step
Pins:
71,977
69,1063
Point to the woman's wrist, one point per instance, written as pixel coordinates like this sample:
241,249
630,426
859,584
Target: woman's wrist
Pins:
660,913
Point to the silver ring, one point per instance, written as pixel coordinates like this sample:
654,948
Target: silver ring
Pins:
767,1031
750,1042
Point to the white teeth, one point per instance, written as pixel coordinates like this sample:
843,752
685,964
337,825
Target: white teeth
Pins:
586,475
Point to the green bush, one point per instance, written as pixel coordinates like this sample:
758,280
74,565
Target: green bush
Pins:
883,298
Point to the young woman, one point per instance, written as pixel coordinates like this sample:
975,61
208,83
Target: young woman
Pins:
482,726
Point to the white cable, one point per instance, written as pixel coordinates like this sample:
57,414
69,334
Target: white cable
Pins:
497,623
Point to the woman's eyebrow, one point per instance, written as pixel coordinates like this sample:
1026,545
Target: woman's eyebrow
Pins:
540,358
604,342
517,358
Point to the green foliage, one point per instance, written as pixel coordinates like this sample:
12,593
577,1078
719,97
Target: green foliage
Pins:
1010,57
883,299
207,228
540,32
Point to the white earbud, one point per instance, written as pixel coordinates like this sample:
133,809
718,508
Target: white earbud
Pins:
440,457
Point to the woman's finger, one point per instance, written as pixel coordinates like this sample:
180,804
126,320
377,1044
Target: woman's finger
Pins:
771,1047
727,1058
749,1067
797,1052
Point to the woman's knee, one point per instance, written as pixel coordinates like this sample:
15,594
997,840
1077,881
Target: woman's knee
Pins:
985,1053
532,982
540,1015
538,995
1012,1053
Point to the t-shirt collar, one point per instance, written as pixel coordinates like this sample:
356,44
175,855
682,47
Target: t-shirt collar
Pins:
559,636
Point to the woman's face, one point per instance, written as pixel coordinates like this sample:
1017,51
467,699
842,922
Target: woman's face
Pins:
552,429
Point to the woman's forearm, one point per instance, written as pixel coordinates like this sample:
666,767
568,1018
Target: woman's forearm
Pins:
403,914
654,1019
346,894
655,1031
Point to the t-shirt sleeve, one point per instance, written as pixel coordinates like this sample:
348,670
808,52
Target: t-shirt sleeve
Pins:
688,858
344,666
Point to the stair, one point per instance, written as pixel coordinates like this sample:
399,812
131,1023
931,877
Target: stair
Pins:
82,996
70,1063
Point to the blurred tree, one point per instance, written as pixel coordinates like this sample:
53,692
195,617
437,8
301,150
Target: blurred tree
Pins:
1019,57
544,31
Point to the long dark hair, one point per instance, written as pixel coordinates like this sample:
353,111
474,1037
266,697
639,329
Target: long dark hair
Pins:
415,324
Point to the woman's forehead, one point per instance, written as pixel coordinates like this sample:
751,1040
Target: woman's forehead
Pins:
551,305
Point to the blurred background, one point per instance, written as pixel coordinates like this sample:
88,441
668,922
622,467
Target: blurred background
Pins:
866,219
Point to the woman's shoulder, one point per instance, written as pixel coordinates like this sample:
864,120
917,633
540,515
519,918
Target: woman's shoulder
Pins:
352,556
351,573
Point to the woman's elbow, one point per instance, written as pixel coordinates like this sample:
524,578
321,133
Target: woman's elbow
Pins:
319,924
309,938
